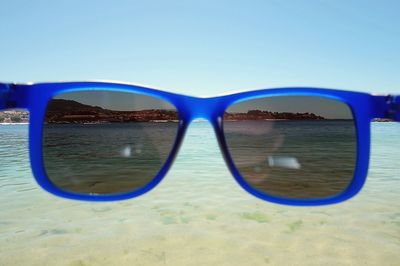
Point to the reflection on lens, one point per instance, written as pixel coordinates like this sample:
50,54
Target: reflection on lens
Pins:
105,142
298,147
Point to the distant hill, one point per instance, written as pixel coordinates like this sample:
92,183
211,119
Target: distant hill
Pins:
65,106
69,111
266,115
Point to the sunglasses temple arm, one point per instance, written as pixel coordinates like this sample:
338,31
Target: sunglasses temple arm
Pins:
5,99
387,107
13,96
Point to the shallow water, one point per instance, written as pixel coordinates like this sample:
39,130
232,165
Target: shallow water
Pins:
198,215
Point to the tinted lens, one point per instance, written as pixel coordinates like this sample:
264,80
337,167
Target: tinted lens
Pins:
106,142
293,146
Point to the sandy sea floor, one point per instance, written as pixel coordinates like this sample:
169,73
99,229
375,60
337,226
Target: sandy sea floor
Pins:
198,215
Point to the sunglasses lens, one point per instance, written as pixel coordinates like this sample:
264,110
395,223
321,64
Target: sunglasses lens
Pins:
106,142
296,147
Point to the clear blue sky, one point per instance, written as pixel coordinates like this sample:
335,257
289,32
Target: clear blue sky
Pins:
204,47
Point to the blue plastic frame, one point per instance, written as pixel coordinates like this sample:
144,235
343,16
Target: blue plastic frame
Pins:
35,97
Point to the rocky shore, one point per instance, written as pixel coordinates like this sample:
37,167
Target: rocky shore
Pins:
71,112
14,117
68,111
266,115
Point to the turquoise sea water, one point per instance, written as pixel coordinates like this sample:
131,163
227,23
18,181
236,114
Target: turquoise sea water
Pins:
198,215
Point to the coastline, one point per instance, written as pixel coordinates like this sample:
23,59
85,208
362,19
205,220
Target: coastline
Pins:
7,124
176,121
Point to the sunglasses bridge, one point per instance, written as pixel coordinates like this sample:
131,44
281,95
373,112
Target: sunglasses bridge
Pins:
210,109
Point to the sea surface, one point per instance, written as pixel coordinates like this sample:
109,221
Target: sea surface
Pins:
198,215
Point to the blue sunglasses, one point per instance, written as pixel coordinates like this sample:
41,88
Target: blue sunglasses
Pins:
102,141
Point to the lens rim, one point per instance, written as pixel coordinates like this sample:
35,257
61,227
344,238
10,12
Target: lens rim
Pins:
362,131
36,132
